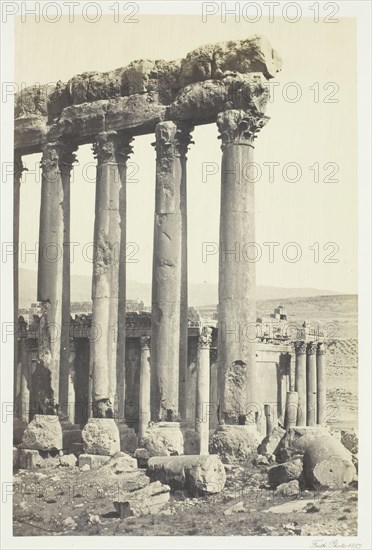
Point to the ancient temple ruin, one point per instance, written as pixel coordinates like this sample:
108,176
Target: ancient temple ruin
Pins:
178,368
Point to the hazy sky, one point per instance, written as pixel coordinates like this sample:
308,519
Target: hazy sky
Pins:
319,131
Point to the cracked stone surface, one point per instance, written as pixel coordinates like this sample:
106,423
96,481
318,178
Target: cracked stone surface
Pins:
146,92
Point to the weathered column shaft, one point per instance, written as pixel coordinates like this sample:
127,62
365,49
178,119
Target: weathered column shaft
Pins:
66,164
111,151
169,331
18,169
71,382
237,272
291,409
321,383
300,382
53,272
269,418
311,384
122,306
145,387
25,383
203,390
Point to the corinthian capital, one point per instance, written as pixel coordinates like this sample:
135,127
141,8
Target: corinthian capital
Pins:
58,155
238,126
205,337
112,147
172,139
322,349
300,347
311,348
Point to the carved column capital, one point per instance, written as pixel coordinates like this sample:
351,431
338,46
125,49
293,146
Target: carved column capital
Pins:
322,348
112,147
300,347
58,155
67,154
311,348
172,138
50,159
145,342
240,127
205,337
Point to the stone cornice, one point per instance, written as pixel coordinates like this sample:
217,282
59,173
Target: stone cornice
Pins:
137,97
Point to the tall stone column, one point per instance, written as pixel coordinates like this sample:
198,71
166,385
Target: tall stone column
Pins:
311,384
169,329
18,169
111,150
321,382
122,307
66,164
203,390
53,272
300,382
25,382
145,387
237,271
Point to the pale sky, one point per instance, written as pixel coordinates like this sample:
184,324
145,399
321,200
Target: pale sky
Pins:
318,58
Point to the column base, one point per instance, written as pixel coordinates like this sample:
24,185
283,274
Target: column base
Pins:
235,443
101,437
162,439
44,433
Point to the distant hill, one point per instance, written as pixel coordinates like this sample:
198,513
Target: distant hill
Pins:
200,294
337,313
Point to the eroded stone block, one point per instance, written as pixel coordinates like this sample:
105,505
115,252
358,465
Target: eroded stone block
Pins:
327,463
149,500
101,437
44,433
235,443
199,474
163,439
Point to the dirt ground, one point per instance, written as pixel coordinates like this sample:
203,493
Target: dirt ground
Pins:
67,501
43,501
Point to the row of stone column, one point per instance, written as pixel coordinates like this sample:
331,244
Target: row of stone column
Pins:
310,383
169,287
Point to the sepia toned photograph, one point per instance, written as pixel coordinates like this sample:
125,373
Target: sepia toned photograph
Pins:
185,274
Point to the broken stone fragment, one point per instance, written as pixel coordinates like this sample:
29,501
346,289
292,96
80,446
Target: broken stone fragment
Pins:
282,473
44,433
121,463
269,444
214,61
28,459
148,500
92,461
235,443
288,489
235,509
163,439
327,463
296,440
69,461
101,437
252,55
199,474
